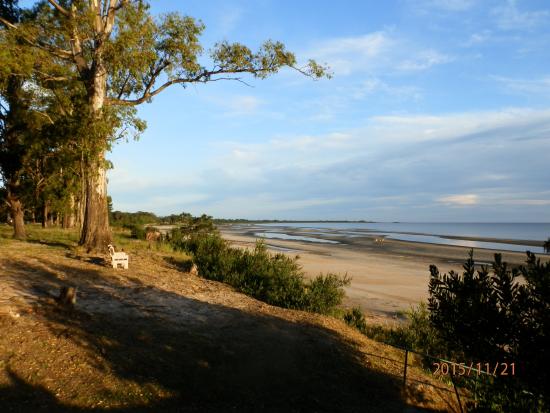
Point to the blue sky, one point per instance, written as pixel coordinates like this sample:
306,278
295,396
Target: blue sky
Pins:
439,110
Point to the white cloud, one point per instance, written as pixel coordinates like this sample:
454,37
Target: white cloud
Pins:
424,60
459,200
509,17
373,85
241,105
446,5
525,86
229,19
392,163
379,52
346,55
408,128
476,39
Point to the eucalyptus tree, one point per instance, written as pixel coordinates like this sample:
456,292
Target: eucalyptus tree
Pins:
32,99
123,56
15,117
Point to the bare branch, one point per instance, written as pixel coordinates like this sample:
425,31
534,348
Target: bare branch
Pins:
46,116
59,8
123,86
7,23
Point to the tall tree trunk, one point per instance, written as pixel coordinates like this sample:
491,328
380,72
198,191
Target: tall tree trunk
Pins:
96,234
18,215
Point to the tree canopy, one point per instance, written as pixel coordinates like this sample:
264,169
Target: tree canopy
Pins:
95,60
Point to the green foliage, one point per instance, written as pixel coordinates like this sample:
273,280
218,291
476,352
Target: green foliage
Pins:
137,231
131,219
416,334
325,292
355,318
192,226
491,317
274,278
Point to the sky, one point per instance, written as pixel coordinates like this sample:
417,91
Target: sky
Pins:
438,111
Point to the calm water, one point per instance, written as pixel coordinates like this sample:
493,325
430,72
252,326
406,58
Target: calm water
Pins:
434,233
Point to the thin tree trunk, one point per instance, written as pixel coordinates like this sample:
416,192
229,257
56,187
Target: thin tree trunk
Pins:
18,215
68,216
45,211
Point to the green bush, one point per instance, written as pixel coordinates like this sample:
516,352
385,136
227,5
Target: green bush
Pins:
274,278
137,231
491,316
417,334
325,292
355,318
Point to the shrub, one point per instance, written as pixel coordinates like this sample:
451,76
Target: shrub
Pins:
417,334
137,231
325,292
355,318
274,278
493,318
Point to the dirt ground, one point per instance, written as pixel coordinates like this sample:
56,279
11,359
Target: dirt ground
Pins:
154,338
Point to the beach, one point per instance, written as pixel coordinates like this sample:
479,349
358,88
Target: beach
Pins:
388,277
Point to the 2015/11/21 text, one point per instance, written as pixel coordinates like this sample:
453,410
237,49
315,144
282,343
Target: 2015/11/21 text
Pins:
463,369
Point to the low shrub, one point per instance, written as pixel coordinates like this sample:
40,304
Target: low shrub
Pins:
417,334
137,231
274,278
355,318
325,292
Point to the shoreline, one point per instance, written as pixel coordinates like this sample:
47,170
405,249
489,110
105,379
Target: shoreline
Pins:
387,278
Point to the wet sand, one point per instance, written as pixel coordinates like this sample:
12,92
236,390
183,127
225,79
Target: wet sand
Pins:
387,277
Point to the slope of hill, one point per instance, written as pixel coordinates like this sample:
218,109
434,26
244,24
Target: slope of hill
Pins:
154,338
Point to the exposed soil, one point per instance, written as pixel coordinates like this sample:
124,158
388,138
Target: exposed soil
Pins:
153,338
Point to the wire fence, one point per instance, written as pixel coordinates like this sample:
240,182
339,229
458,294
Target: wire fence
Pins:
452,370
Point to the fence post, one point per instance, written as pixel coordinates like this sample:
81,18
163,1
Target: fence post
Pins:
457,395
405,369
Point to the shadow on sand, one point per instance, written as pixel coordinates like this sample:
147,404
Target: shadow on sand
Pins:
208,357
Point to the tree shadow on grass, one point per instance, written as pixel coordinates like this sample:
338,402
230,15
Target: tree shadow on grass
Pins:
206,357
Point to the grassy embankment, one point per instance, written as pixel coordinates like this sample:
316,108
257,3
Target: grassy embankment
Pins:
156,337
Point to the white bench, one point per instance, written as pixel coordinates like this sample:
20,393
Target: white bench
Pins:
118,258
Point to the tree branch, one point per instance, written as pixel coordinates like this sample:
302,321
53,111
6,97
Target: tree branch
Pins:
203,77
8,24
59,8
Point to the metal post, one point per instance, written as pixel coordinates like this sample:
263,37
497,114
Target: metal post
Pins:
457,395
405,369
